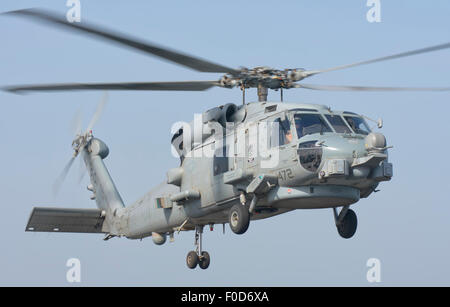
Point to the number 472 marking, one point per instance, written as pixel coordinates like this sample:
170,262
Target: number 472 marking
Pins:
285,174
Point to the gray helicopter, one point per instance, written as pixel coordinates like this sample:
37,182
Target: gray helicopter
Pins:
238,162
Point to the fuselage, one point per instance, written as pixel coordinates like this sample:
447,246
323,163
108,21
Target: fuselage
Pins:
312,156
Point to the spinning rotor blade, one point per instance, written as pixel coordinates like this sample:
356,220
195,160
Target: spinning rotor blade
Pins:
134,86
81,171
124,40
385,58
369,88
81,140
98,112
76,124
57,184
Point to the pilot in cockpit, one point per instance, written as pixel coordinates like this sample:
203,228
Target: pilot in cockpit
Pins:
287,133
352,123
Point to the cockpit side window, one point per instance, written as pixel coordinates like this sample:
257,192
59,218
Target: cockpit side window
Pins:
358,125
338,124
281,133
310,124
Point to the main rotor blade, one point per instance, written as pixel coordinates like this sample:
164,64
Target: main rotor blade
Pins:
133,86
98,112
385,58
369,88
124,40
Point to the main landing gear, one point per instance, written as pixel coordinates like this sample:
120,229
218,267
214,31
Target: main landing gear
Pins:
198,257
239,218
346,222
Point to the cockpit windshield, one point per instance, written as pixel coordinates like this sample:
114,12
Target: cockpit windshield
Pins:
310,124
358,125
338,124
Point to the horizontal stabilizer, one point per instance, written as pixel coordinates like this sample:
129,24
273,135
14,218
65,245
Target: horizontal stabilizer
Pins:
66,220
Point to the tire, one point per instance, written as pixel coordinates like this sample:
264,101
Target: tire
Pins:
239,219
348,226
192,260
204,261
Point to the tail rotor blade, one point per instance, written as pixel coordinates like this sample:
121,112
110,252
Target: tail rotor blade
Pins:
79,143
98,112
81,171
76,124
58,183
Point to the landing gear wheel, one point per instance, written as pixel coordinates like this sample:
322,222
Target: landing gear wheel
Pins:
192,260
204,261
239,219
347,227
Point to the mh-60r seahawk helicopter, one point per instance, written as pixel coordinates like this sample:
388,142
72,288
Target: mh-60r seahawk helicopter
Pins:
324,158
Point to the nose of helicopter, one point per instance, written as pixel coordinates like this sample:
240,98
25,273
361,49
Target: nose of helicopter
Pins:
355,157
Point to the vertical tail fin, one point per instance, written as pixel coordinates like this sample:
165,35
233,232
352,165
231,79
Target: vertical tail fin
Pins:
105,191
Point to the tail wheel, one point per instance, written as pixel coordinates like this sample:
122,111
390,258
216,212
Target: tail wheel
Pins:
204,261
192,260
347,227
239,219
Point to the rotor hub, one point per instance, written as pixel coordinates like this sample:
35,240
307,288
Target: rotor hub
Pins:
263,76
80,142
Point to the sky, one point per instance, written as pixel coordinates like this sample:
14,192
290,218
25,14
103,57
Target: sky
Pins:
405,226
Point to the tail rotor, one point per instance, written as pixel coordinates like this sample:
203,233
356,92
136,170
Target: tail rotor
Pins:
80,141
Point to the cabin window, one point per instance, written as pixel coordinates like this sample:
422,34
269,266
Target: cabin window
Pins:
220,161
338,124
310,124
358,125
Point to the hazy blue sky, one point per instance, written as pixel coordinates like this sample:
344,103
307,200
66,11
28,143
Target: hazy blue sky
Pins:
406,225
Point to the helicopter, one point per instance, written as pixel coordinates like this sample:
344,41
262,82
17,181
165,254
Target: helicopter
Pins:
238,162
